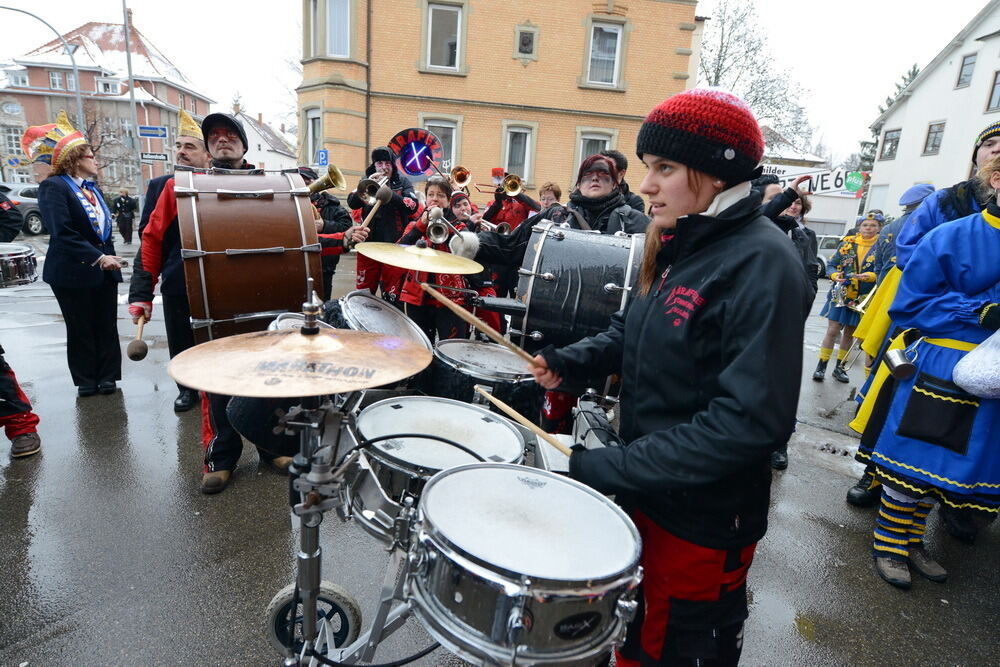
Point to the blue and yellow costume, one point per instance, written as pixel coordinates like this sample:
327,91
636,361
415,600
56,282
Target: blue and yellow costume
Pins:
937,439
855,257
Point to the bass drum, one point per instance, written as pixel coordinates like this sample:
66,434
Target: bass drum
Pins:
572,282
248,242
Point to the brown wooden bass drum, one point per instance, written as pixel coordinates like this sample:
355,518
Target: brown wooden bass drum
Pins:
248,241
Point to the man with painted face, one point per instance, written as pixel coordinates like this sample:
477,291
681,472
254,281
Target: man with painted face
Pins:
189,151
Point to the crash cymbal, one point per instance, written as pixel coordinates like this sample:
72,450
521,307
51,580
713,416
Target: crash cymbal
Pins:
289,364
418,259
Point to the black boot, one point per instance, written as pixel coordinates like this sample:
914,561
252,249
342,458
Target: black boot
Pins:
779,459
959,523
840,373
866,491
185,400
820,373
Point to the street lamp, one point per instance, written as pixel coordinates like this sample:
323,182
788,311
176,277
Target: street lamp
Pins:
81,121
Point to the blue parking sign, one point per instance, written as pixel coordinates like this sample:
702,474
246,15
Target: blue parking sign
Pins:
323,157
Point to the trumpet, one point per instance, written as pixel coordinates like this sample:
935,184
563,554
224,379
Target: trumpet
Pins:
370,190
439,230
501,228
333,178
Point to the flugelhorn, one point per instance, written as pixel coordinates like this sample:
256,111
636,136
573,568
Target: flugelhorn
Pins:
333,178
370,189
439,230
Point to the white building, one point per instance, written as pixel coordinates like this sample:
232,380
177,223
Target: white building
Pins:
929,132
268,148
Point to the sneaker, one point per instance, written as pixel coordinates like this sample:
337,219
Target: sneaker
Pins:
25,445
866,491
840,373
893,571
215,482
926,566
779,460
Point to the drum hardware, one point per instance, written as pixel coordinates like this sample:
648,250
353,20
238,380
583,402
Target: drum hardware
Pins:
245,317
18,265
548,277
184,191
520,419
137,348
612,287
188,253
416,258
501,305
333,178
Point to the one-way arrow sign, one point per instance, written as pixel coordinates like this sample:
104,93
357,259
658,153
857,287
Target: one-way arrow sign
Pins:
153,131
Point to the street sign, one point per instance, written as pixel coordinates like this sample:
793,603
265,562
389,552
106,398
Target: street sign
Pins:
162,157
13,161
153,131
323,157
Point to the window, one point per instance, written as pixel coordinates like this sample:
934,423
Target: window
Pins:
995,93
443,24
935,132
180,100
518,151
525,42
314,134
605,44
313,29
12,140
965,72
108,87
194,105
23,176
338,28
446,131
70,81
126,127
55,80
17,78
592,144
890,142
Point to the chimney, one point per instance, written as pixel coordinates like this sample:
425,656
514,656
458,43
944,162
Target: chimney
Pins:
282,128
260,118
236,108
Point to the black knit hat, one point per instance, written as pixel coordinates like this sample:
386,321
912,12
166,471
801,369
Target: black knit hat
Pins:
230,121
706,129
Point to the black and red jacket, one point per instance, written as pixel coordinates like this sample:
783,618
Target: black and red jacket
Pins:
392,217
711,363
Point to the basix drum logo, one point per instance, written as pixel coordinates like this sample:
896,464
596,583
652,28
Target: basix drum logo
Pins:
578,625
531,482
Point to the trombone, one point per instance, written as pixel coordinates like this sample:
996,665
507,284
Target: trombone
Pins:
461,179
333,178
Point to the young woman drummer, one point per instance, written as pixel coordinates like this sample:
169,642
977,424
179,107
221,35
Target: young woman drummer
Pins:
436,321
710,354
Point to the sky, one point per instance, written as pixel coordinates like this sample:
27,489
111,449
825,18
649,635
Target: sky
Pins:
847,54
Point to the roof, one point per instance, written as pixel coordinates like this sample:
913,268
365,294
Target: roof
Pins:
102,46
776,147
274,140
952,44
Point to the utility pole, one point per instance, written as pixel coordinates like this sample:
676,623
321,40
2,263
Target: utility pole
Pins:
133,140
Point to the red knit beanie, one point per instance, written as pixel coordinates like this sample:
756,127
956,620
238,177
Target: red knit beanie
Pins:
706,129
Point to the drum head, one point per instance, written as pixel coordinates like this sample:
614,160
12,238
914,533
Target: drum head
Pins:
367,312
482,360
530,522
19,249
490,436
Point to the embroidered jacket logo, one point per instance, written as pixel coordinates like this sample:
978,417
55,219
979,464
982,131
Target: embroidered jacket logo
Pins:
682,302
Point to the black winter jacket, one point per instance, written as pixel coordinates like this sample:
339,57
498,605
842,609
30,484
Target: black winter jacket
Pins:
508,249
710,361
140,287
10,220
392,217
336,219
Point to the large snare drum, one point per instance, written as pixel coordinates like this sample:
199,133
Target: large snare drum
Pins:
390,470
522,566
459,365
363,311
249,243
18,265
572,282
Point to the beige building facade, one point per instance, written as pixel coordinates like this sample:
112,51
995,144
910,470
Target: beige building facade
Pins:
532,87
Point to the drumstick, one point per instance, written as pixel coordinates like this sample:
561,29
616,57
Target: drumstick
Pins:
137,349
478,323
520,419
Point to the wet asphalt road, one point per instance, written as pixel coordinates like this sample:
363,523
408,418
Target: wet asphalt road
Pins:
109,554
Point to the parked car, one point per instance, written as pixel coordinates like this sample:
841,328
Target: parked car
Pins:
827,245
25,197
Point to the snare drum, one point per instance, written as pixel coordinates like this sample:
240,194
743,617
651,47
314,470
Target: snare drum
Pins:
459,365
521,566
18,265
393,469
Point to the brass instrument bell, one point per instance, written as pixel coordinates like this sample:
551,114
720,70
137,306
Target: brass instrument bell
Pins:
333,178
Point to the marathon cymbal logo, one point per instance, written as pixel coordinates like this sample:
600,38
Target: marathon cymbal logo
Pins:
579,625
324,369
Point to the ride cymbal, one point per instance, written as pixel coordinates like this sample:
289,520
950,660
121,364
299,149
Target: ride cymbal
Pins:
418,259
289,364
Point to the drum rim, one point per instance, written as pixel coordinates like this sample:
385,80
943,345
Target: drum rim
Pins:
29,251
356,325
478,371
422,471
447,546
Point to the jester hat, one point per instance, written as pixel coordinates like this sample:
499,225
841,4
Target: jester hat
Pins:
48,143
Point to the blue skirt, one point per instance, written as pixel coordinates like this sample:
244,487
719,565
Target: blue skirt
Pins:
938,440
841,314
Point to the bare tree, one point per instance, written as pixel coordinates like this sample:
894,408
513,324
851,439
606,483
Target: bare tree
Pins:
735,55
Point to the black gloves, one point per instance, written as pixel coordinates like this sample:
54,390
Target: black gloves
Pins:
989,316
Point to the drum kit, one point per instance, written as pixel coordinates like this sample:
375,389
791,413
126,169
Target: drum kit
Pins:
501,562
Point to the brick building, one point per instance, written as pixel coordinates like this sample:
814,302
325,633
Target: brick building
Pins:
36,85
529,86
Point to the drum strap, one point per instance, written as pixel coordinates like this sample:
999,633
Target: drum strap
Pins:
580,220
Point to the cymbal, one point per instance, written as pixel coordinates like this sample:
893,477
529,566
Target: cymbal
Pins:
418,259
289,364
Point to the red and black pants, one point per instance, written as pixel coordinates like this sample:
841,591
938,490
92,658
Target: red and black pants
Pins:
16,416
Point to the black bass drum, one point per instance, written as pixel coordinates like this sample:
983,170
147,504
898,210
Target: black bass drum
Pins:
572,282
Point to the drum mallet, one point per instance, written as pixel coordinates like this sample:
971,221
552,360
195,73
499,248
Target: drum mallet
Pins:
478,323
137,349
520,419
383,195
